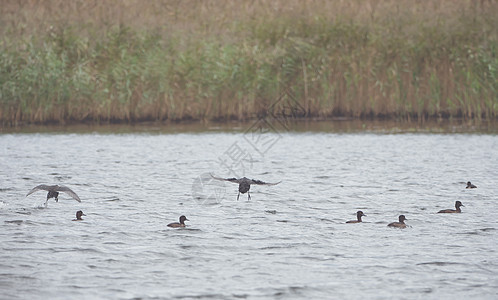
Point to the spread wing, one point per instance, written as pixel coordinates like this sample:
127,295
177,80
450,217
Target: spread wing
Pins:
255,181
68,191
234,180
41,187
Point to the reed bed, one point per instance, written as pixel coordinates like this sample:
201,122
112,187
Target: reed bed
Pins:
132,60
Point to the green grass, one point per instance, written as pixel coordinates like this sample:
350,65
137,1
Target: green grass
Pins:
362,60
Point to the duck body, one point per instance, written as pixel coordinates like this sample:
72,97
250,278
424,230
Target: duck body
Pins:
400,224
244,185
359,214
53,194
458,204
179,224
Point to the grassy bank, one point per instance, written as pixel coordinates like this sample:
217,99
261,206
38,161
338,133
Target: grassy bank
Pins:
71,61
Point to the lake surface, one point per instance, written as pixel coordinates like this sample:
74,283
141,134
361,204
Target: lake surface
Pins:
290,241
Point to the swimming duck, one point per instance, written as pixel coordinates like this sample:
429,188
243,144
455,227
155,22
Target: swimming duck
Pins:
245,184
359,214
79,213
470,185
53,192
179,224
400,224
449,211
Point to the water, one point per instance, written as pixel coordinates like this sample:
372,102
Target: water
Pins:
289,242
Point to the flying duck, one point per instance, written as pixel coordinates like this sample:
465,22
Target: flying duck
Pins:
245,184
53,192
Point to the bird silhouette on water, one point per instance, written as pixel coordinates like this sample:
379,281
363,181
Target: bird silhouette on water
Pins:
400,224
179,224
359,214
470,185
245,184
449,211
79,213
53,192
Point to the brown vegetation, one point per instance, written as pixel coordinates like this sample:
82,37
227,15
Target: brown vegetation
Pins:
73,61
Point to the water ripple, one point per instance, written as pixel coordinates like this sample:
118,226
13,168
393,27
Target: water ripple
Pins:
288,241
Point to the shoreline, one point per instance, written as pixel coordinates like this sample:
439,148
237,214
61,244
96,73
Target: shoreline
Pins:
334,125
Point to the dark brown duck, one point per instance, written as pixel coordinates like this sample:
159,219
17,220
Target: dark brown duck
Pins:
79,213
179,224
400,224
359,214
450,211
470,185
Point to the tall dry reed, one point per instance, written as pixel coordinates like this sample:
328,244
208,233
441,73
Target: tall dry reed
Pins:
71,61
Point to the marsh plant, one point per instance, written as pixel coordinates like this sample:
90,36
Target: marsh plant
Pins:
125,61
